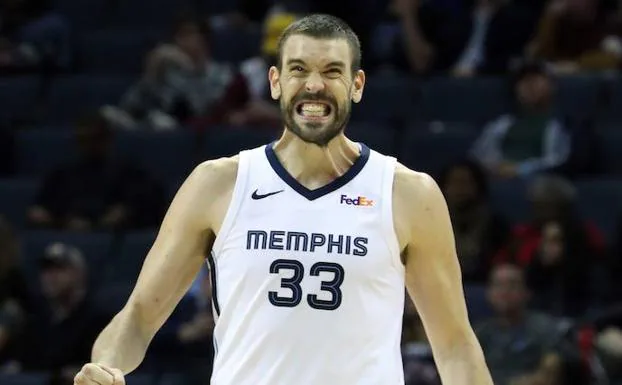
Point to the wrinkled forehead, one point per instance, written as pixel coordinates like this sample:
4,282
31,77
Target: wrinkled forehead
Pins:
316,52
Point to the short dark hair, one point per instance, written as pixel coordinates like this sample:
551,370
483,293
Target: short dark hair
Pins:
322,26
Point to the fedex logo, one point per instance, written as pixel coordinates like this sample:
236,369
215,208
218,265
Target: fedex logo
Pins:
358,201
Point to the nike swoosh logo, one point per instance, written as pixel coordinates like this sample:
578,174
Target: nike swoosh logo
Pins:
257,196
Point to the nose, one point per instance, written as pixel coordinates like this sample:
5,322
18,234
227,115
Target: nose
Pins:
315,84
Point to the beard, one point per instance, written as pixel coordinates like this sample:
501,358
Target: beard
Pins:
318,133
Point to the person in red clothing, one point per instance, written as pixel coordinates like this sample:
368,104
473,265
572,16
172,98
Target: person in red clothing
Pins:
556,247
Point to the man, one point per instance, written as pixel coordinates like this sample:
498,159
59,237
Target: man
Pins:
311,240
60,333
531,140
518,342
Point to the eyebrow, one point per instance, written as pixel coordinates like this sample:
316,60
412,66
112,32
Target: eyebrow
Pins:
336,63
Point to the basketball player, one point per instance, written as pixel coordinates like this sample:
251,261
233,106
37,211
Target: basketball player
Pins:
310,243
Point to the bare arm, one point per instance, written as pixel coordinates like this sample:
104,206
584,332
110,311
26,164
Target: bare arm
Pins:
419,52
433,279
169,268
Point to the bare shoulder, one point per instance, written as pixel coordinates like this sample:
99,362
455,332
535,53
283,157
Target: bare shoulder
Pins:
216,174
206,193
417,200
412,188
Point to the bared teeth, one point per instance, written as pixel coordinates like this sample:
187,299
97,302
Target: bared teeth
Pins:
314,107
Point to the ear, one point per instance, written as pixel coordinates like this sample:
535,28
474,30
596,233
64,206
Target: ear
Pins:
358,86
275,86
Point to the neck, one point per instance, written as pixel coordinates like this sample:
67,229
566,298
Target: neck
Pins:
314,166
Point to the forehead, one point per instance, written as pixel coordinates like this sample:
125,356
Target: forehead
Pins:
316,51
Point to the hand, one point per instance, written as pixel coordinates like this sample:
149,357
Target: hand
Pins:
96,374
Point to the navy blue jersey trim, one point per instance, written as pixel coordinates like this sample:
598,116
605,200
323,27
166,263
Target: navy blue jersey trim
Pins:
352,172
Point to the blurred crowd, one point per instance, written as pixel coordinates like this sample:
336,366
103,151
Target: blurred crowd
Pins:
541,267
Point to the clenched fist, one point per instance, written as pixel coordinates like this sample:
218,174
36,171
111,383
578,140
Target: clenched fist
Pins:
95,374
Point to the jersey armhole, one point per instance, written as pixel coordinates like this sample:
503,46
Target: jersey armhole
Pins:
388,224
234,205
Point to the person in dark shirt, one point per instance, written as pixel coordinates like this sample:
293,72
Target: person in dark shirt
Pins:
97,190
479,231
60,334
15,298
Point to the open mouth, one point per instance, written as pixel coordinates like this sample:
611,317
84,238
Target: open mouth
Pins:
313,110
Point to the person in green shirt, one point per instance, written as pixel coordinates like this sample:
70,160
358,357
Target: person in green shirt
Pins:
532,139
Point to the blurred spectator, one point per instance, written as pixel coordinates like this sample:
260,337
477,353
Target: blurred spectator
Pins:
499,31
479,36
97,191
15,298
255,69
578,35
261,107
530,140
60,334
521,345
557,247
479,231
32,36
419,367
184,344
182,83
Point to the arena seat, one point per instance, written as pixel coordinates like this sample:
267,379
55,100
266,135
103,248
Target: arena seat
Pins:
19,96
509,198
431,153
71,96
470,100
577,96
116,51
233,45
611,136
84,15
167,156
25,379
39,151
386,99
600,200
381,138
111,298
156,13
477,303
16,195
228,141
127,260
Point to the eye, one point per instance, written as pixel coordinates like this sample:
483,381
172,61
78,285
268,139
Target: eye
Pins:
333,72
297,69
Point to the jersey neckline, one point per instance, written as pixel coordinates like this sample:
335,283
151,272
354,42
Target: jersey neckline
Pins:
341,181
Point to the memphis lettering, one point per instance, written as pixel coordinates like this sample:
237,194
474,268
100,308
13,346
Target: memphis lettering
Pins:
358,201
306,242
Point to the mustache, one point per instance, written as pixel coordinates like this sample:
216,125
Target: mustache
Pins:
315,98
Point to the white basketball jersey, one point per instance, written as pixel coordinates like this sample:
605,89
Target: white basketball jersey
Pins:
308,284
